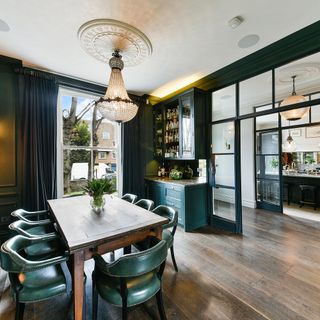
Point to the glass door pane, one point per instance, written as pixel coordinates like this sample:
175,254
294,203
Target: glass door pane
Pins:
186,133
223,171
268,170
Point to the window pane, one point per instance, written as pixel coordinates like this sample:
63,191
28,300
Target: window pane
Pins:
105,165
267,143
223,138
256,92
224,203
267,122
268,191
224,166
315,110
307,78
104,132
224,103
77,165
77,120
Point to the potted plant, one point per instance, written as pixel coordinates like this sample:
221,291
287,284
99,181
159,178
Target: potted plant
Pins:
96,188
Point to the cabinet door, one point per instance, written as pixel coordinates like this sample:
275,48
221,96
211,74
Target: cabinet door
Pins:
186,126
158,136
157,193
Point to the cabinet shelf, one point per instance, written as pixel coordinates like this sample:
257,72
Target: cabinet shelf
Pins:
190,116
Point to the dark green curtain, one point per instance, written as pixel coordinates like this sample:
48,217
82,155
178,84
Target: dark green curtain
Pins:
38,134
137,150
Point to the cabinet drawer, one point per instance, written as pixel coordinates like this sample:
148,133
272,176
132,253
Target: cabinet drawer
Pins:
175,192
173,202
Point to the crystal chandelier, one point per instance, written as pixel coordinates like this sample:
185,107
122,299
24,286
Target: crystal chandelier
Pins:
295,114
116,105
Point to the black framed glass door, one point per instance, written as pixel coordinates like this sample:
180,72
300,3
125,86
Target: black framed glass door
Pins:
268,166
223,179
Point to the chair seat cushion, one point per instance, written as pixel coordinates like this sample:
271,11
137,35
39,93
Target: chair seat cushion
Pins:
41,250
42,284
140,288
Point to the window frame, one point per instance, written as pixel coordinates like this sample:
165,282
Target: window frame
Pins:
61,147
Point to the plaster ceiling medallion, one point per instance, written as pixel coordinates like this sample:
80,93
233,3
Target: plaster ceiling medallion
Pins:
304,72
102,37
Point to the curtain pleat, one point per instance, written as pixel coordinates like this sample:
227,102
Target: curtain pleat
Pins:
136,151
38,127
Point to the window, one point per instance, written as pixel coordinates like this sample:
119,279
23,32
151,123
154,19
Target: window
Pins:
88,144
102,155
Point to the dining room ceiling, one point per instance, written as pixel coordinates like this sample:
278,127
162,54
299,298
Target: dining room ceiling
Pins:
190,39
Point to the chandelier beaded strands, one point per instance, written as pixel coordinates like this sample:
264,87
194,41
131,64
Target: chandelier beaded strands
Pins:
116,104
105,39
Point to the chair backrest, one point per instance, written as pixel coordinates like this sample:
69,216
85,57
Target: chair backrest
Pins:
32,230
169,213
129,197
31,216
145,204
135,264
13,258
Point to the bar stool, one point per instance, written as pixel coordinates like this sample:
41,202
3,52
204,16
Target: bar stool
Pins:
308,195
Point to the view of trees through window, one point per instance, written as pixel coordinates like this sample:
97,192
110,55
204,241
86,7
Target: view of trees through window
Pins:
89,142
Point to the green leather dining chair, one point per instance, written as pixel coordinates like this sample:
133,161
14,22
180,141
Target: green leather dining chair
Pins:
31,280
145,204
33,230
168,231
130,280
41,216
129,197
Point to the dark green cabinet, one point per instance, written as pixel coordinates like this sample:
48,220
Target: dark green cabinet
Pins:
179,126
189,200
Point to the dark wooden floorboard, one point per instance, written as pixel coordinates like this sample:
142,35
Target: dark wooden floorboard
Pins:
271,272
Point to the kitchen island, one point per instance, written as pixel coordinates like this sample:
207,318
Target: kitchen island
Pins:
188,196
293,180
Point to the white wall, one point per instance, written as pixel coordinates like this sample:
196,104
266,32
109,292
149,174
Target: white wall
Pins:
247,163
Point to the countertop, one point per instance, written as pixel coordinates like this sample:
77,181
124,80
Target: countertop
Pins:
182,182
301,175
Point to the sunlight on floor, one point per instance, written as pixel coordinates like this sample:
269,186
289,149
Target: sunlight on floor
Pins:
305,212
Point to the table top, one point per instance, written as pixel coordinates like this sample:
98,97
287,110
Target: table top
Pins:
81,227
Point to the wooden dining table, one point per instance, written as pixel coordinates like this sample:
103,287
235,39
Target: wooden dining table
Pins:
85,232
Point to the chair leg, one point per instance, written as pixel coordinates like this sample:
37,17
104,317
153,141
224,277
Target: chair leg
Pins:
19,310
124,309
160,305
173,259
94,300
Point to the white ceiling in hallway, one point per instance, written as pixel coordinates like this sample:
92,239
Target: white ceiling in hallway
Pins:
190,38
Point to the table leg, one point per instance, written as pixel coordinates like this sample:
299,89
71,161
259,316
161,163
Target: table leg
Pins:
158,232
77,284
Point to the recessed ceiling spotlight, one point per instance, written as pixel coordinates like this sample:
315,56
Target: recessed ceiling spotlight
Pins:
235,22
4,27
248,41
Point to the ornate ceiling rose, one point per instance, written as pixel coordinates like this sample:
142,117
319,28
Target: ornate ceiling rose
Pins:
101,37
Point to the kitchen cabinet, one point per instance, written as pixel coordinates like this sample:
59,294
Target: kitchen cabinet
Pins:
179,126
188,197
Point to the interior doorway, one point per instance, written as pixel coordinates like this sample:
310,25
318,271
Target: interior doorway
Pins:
301,172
